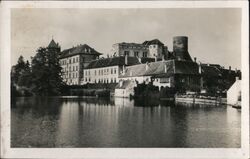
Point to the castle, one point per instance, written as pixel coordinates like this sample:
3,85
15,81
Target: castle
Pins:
150,61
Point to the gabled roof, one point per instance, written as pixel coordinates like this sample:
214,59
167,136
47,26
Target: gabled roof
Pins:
153,42
135,71
80,49
210,70
53,44
114,61
124,84
162,69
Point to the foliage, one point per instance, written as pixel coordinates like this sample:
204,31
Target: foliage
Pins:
46,73
43,77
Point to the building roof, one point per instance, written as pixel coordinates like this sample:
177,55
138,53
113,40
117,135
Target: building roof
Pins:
53,44
124,84
162,69
210,70
114,61
80,49
153,42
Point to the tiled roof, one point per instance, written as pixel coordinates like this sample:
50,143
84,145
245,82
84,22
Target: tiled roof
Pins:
158,69
153,42
80,49
53,44
135,71
124,85
210,70
115,61
186,67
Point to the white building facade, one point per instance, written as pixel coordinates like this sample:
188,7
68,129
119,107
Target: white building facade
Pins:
73,62
107,70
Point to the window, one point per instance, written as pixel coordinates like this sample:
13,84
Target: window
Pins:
136,53
126,53
73,60
144,54
114,80
111,70
114,71
69,60
77,59
76,68
164,80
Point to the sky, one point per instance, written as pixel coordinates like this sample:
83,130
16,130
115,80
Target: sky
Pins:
214,35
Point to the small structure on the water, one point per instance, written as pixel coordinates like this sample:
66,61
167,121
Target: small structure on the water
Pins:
125,89
234,94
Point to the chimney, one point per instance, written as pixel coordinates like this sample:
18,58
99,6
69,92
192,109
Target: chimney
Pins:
199,67
120,83
230,69
165,68
194,59
155,59
123,70
139,59
126,59
163,58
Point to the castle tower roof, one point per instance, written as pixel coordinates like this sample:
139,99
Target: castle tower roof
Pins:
53,44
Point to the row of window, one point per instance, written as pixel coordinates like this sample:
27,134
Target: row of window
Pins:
133,47
136,53
73,68
101,72
101,80
71,60
152,46
71,75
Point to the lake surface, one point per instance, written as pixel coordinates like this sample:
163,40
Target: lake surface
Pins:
118,122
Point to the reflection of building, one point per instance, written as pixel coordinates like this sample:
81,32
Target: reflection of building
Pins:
74,60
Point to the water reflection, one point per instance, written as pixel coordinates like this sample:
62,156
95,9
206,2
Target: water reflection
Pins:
119,122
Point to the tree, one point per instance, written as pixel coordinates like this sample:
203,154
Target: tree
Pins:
46,73
25,76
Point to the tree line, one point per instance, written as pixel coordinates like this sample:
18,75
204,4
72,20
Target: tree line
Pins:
40,77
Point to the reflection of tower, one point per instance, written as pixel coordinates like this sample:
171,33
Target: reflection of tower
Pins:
180,48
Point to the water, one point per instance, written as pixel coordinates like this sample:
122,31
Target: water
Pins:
117,122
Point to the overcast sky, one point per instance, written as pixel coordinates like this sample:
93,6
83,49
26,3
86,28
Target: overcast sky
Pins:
214,34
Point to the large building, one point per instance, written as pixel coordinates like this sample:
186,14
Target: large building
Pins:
74,60
107,70
151,49
170,73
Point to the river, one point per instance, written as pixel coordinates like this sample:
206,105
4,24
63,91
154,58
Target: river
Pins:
117,122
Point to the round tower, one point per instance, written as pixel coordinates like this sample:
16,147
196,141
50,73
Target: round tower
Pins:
180,47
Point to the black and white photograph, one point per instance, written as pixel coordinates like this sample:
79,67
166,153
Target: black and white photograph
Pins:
126,77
